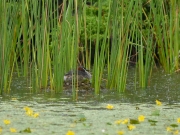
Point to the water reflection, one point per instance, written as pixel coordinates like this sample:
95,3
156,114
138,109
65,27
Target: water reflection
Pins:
163,87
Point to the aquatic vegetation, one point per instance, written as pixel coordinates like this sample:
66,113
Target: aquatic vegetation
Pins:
141,118
108,34
158,103
131,127
155,112
27,130
13,130
7,122
70,133
1,130
109,107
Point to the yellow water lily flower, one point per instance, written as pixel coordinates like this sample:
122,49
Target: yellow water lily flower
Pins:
26,108
125,121
141,118
118,122
70,133
178,120
176,132
120,132
169,129
29,112
35,115
158,102
110,107
7,122
13,98
13,130
131,127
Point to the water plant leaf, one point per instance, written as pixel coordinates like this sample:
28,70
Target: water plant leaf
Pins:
152,122
109,123
81,118
87,125
155,113
27,130
174,125
134,121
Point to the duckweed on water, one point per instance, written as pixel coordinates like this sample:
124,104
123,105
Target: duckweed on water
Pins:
85,118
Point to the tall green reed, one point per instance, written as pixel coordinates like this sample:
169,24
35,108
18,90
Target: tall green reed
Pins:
166,26
46,43
120,45
144,45
9,25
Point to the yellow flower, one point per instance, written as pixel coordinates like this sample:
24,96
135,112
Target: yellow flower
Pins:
125,121
26,108
0,130
141,118
118,122
131,127
70,133
176,132
168,129
35,115
178,120
29,112
120,132
7,122
158,102
13,130
110,107
14,99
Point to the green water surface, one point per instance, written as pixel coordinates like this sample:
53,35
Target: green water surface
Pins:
88,115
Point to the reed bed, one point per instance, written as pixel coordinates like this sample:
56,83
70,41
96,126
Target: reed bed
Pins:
45,39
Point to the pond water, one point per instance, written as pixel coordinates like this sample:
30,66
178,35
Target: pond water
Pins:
88,114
